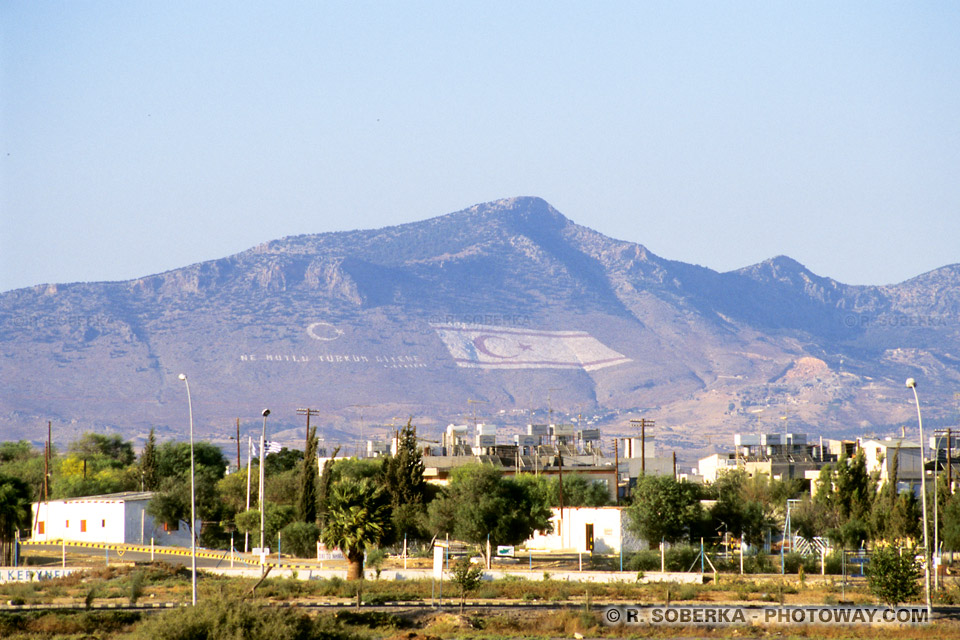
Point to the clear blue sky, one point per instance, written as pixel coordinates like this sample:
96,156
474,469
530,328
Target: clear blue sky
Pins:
143,136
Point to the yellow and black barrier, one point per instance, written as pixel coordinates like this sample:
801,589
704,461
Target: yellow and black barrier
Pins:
121,549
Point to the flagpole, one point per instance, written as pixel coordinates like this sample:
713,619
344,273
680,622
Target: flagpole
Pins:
263,437
246,534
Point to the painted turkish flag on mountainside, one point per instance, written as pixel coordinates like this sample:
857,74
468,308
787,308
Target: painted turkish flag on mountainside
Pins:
490,347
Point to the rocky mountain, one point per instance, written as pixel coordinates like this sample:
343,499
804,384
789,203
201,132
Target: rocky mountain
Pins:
506,310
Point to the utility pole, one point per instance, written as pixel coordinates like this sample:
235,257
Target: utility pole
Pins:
644,423
938,435
361,407
616,466
475,403
550,402
949,462
46,461
560,466
238,444
308,412
263,464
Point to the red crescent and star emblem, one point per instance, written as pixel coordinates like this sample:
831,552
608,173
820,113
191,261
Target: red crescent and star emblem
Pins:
500,347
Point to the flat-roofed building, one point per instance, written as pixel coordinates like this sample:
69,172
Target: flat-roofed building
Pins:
116,518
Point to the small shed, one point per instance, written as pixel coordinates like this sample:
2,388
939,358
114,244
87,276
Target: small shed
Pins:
115,518
603,528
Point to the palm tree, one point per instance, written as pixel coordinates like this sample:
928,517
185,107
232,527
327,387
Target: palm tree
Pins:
355,519
14,514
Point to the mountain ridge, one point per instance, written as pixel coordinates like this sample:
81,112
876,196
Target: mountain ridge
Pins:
703,349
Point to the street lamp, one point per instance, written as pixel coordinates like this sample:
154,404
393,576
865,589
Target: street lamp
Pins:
912,384
193,497
263,460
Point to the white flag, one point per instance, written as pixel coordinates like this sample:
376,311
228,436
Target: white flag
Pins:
270,447
489,347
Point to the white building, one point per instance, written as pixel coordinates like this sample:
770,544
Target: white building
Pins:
607,526
879,455
714,465
116,518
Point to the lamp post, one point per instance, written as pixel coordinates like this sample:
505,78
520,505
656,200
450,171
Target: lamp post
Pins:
263,460
936,517
193,498
912,384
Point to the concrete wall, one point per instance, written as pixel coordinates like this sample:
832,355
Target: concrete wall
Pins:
426,574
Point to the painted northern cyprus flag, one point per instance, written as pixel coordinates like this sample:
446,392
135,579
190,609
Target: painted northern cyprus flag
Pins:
489,347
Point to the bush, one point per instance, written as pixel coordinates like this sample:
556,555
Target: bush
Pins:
893,576
375,559
642,561
680,558
300,539
467,576
793,561
676,558
372,619
136,587
231,618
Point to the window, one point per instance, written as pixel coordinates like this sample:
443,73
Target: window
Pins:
103,524
83,526
68,524
40,527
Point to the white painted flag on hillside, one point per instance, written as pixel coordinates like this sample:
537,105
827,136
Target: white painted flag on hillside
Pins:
490,347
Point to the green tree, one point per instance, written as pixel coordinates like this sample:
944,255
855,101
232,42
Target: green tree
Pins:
78,477
951,523
14,514
664,508
578,491
892,576
467,576
744,505
845,498
307,496
22,460
327,477
480,504
885,502
232,489
355,520
855,491
904,521
353,469
173,459
171,504
403,480
96,464
375,558
149,471
283,460
275,519
808,519
300,538
113,448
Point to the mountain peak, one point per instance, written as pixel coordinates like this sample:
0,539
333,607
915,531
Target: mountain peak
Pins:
521,209
779,268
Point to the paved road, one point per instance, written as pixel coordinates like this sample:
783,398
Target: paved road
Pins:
113,553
